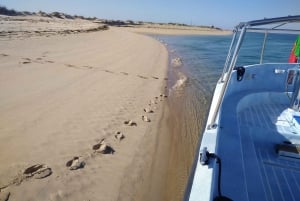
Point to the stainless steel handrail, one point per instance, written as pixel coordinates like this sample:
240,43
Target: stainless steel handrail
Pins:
263,48
225,69
227,76
241,28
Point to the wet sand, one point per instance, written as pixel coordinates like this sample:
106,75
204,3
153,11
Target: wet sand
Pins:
189,108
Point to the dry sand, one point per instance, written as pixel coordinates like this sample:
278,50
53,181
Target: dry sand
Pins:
21,27
63,91
60,95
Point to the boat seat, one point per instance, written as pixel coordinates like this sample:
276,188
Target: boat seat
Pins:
288,150
293,79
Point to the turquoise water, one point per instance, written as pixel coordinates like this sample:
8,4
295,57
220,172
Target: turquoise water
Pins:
191,85
204,56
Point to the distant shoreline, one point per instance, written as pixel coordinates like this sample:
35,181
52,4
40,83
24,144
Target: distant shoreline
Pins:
166,30
15,23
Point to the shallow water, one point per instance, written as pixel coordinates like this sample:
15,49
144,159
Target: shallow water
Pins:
196,63
190,90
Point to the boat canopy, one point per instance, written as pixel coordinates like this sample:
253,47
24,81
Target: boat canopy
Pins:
267,21
288,24
258,25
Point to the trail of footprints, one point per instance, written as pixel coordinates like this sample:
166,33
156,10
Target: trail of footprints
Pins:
40,171
41,60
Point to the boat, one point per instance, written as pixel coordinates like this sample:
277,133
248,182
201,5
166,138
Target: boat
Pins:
250,145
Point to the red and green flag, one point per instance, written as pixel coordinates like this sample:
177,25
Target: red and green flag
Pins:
295,53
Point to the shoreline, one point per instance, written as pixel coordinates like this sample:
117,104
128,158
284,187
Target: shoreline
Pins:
42,24
165,30
184,121
66,93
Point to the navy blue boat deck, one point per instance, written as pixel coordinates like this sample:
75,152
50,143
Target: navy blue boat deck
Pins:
252,170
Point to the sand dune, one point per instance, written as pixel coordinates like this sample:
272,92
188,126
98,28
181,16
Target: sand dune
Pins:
60,96
25,26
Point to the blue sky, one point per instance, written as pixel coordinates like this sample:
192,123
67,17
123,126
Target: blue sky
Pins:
222,13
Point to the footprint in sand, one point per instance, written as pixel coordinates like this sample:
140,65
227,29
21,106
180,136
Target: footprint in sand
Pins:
103,148
37,171
163,95
75,163
4,55
119,135
124,73
148,110
38,60
4,196
143,77
155,77
70,65
146,119
108,71
130,123
26,61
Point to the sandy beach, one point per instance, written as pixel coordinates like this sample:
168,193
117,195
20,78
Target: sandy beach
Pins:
83,110
166,29
61,96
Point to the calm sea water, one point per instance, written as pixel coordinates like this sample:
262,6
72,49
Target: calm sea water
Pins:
191,86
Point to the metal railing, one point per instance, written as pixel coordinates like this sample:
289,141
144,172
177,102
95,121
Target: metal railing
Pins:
231,59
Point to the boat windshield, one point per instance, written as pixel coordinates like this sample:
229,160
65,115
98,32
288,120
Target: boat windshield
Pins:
276,48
